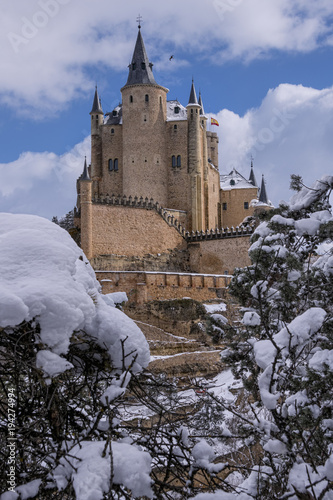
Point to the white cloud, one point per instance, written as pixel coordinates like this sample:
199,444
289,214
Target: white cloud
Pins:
49,45
291,132
42,183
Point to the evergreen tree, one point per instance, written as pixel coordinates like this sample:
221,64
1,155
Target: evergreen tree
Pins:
285,357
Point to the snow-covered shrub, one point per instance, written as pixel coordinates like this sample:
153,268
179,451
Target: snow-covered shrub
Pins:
286,357
66,353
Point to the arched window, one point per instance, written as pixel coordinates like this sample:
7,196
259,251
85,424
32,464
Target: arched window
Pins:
179,161
173,160
110,165
131,98
176,110
175,127
112,131
146,97
143,65
115,165
133,66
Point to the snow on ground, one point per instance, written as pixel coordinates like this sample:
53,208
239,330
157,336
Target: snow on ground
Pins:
214,308
154,358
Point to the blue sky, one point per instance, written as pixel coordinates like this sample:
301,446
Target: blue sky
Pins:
265,70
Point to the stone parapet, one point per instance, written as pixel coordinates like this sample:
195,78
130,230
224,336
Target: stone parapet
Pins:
142,287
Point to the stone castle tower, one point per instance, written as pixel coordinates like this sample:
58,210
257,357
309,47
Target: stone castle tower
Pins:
148,147
155,154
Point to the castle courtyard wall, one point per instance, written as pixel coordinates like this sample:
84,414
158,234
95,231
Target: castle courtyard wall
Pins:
130,231
219,256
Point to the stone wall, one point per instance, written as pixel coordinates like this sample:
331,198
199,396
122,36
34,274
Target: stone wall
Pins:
235,199
219,256
130,231
142,287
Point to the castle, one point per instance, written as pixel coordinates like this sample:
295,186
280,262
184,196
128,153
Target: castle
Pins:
152,198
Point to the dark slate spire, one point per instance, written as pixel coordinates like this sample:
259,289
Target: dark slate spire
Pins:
252,177
202,111
85,174
97,107
263,194
193,96
140,69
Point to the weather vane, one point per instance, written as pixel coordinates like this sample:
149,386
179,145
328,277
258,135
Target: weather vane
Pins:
138,20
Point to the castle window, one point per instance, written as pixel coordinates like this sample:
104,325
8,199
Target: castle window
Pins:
175,127
114,113
115,165
179,161
224,206
176,110
131,98
144,118
146,97
133,66
160,100
173,160
143,65
246,205
232,182
110,165
112,131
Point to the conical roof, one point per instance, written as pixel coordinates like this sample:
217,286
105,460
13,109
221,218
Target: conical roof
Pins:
252,177
202,111
263,194
85,174
140,69
96,107
193,96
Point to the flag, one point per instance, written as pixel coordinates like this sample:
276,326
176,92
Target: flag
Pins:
214,122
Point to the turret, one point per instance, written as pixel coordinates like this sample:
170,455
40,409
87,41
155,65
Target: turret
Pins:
86,211
195,166
97,117
263,194
96,114
252,177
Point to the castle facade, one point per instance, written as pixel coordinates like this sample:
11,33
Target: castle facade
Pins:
153,187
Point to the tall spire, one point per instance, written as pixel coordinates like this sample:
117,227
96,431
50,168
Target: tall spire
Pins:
263,194
85,174
193,96
202,111
140,69
97,107
252,177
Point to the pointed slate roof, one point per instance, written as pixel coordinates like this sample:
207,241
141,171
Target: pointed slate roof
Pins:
85,174
252,177
202,111
263,194
140,69
96,107
193,96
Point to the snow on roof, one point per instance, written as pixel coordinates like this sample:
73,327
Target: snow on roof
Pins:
176,111
114,117
234,180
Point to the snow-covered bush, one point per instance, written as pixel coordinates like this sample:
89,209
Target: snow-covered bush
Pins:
286,356
66,353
